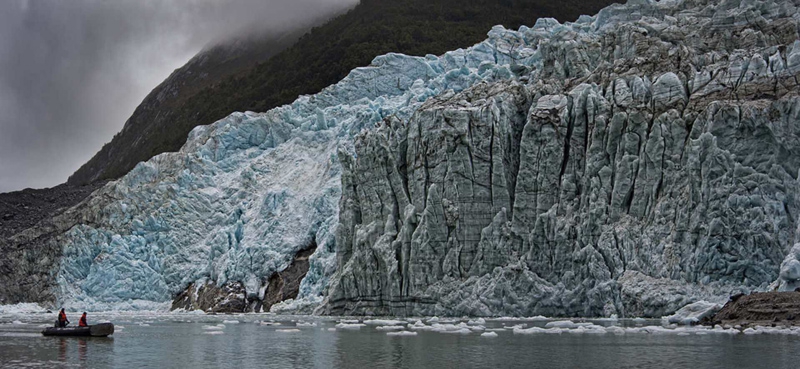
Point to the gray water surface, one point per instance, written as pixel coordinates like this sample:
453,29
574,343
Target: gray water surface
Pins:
173,341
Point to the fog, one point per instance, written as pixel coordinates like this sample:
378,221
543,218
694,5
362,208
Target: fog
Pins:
72,72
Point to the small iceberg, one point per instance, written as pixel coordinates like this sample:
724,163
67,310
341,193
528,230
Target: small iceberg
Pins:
401,333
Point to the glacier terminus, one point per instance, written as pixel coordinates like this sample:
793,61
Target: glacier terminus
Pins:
629,163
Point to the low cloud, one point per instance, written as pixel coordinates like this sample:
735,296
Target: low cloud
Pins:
72,72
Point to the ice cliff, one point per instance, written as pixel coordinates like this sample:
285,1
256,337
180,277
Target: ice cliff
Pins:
646,158
629,163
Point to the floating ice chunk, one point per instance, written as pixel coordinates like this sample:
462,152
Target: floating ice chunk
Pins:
383,322
350,325
750,331
390,328
456,331
331,329
18,322
479,321
434,319
270,323
516,318
419,325
401,333
489,334
289,330
537,330
214,327
615,330
214,332
561,324
306,324
588,329
349,321
693,313
230,322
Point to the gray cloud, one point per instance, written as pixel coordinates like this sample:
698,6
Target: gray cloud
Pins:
72,72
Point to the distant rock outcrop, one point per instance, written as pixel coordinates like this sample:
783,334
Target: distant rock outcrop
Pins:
760,309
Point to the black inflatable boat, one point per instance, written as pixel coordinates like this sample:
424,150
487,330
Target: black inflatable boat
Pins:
97,330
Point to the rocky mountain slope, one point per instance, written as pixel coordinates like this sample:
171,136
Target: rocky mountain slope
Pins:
621,164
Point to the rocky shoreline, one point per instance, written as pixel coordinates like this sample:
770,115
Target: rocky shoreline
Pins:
767,309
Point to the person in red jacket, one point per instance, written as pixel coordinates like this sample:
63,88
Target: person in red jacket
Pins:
62,319
82,322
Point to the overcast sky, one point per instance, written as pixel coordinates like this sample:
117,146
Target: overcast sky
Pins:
72,72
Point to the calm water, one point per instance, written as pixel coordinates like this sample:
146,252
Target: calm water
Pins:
175,341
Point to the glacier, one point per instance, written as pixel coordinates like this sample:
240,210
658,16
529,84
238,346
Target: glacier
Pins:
246,193
628,163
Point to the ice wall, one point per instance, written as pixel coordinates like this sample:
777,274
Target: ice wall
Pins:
648,158
246,193
628,163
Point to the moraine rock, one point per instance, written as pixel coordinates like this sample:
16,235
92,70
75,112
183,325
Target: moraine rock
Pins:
208,297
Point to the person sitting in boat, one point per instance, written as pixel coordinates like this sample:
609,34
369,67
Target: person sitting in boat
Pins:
62,319
82,322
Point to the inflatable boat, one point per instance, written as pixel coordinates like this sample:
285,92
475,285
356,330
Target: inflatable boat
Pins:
97,330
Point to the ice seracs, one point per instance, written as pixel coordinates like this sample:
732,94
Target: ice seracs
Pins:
647,160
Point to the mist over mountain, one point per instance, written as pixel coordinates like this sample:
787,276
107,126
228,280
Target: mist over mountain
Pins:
320,58
71,72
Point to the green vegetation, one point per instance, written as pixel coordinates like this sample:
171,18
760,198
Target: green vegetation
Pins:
318,59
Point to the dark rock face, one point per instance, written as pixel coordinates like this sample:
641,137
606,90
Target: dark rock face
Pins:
285,285
229,298
760,309
23,209
232,297
31,222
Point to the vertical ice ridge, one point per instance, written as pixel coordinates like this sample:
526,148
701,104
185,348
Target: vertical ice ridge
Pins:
657,167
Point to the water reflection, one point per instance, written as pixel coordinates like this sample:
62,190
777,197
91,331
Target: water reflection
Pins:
62,349
82,350
170,344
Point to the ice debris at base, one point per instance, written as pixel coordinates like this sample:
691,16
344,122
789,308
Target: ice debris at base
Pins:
390,328
383,322
693,313
21,308
350,325
489,334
